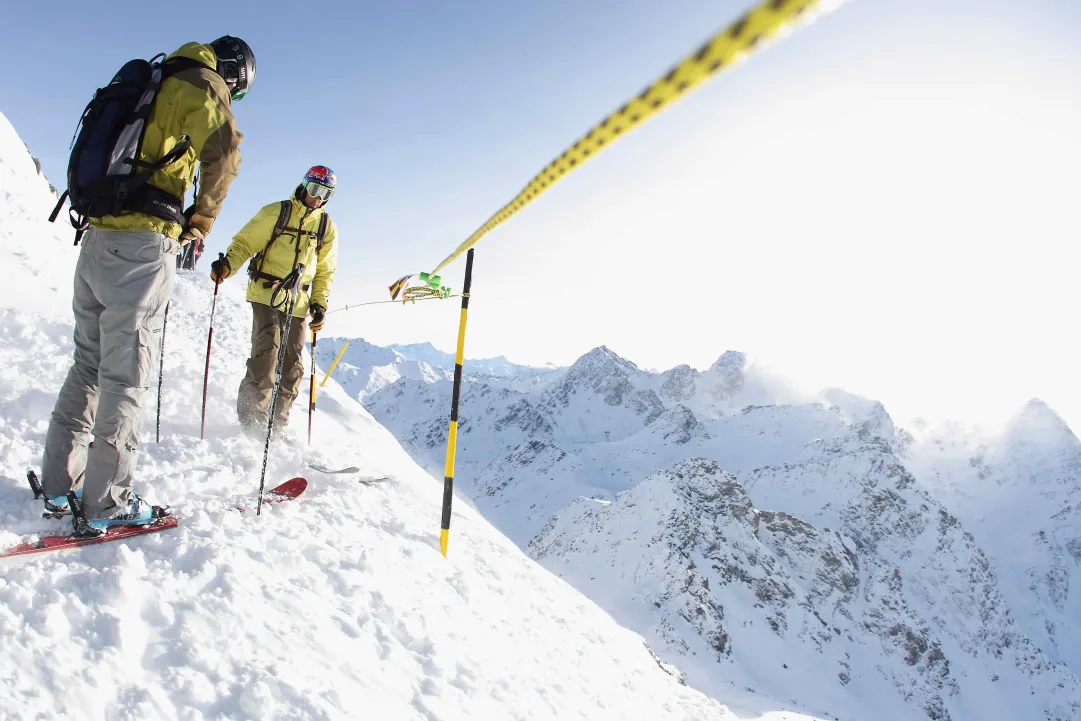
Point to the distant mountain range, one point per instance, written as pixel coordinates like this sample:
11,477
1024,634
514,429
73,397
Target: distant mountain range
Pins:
762,538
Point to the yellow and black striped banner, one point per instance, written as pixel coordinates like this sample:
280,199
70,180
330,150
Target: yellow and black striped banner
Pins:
723,50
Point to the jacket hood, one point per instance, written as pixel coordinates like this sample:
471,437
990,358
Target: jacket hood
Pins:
198,52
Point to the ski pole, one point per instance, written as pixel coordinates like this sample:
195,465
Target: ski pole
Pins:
290,284
161,371
209,340
311,393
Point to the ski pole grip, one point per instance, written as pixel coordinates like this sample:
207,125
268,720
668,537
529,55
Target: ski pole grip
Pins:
221,267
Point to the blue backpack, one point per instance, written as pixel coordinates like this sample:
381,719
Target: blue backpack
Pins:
105,175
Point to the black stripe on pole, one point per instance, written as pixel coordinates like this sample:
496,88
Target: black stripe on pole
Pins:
448,495
456,393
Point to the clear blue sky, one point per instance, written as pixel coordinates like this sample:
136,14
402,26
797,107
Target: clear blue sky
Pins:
871,200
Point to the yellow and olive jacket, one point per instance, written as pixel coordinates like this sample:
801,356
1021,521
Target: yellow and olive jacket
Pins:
192,103
285,252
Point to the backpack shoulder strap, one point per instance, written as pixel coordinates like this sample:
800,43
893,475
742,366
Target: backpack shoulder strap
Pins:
256,264
283,219
324,223
176,65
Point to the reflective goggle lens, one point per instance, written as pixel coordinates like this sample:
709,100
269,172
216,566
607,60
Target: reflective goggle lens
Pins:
318,190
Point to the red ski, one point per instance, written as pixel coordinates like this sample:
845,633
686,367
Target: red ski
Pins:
285,492
58,543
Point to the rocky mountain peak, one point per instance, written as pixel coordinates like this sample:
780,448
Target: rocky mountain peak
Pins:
602,360
730,360
677,424
679,383
1039,427
731,369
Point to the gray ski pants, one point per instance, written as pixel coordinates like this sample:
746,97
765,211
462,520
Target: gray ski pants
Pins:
122,284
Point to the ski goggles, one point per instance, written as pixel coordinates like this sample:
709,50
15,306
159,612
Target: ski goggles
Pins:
318,190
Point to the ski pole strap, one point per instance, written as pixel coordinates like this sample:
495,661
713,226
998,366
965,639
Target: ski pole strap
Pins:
59,205
289,284
271,280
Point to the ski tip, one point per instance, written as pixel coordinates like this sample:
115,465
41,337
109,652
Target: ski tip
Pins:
291,488
372,480
334,471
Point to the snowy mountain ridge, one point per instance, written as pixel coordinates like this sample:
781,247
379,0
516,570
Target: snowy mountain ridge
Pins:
589,473
366,368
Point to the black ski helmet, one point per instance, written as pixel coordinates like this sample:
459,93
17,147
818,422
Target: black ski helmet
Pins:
236,64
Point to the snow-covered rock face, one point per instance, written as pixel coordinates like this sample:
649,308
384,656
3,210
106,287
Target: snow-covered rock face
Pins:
1019,492
597,379
1038,430
871,591
868,415
365,368
730,370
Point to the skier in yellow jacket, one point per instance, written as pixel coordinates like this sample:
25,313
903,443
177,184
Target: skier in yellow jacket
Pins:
124,278
281,237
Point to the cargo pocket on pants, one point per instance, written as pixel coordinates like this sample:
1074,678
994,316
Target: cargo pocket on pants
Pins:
147,344
126,361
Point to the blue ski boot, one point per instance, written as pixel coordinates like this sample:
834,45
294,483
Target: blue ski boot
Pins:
138,513
55,506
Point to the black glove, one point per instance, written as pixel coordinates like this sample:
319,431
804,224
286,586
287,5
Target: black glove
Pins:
318,312
220,270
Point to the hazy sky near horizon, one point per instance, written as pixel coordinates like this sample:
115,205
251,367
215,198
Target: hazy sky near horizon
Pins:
884,201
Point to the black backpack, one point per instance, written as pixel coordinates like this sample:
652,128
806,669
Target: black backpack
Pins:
105,175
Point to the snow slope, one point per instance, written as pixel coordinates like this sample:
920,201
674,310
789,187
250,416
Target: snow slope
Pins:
338,605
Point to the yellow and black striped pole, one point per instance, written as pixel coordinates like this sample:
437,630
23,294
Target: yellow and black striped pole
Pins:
456,393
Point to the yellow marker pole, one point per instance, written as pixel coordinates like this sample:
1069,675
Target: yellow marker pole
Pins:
334,364
452,434
724,50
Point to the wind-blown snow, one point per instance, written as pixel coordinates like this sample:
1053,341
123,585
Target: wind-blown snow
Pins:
338,605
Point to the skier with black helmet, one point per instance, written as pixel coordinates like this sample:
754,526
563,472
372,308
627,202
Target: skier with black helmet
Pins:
127,264
280,238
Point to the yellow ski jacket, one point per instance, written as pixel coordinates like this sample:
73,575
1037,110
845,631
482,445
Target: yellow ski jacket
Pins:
287,250
195,104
